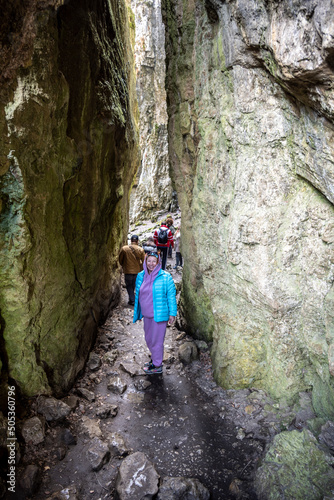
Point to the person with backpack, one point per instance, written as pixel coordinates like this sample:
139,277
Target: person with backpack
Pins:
163,239
170,222
155,301
131,259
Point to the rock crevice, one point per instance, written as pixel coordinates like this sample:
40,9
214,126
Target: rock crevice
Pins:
152,188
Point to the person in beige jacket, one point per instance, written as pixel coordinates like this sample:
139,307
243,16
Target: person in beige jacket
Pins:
131,259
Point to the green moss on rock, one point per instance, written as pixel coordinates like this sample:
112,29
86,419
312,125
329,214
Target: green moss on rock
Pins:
323,398
65,197
257,239
195,306
295,468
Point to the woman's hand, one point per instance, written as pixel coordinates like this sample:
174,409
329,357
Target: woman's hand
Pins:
171,320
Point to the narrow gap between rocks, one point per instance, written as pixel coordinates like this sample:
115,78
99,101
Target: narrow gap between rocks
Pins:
182,421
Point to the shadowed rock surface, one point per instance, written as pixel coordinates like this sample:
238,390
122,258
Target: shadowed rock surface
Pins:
69,153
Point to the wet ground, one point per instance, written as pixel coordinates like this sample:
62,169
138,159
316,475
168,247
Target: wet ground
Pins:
173,421
183,422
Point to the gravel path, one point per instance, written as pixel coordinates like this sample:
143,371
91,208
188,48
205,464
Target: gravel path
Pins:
183,422
176,423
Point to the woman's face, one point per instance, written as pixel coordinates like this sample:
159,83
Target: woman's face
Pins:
151,263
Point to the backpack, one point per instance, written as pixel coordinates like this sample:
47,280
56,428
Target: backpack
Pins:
163,235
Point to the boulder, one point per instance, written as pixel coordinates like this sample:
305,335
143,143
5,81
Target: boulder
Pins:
86,394
72,401
117,385
137,478
33,431
98,454
131,367
52,409
181,488
91,427
94,361
142,384
117,444
295,464
188,352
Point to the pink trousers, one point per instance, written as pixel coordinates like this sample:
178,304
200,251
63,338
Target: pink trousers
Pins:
154,337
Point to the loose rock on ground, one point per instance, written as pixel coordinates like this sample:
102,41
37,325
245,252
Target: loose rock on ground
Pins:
195,434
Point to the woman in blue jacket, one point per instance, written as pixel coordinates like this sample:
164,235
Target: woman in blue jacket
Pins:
155,301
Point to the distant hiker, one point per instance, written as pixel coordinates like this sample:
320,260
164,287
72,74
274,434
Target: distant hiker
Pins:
170,222
177,246
131,259
163,239
155,301
149,245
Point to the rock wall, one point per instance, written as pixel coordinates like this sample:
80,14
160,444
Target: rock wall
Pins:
70,151
153,188
250,103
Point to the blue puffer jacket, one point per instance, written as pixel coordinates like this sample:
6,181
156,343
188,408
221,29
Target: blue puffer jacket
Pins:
164,297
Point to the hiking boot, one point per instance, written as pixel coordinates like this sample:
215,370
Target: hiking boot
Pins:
148,363
151,369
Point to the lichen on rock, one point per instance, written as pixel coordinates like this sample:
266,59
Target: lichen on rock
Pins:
296,468
70,116
250,138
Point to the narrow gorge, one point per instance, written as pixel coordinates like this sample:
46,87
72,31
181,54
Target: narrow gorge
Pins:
116,111
152,189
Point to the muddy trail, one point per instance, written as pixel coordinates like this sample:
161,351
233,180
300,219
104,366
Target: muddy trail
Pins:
174,418
181,420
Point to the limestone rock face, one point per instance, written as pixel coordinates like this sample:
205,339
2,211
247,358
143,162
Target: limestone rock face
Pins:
153,188
68,121
250,95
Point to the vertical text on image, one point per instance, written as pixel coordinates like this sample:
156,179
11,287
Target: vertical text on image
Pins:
11,439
